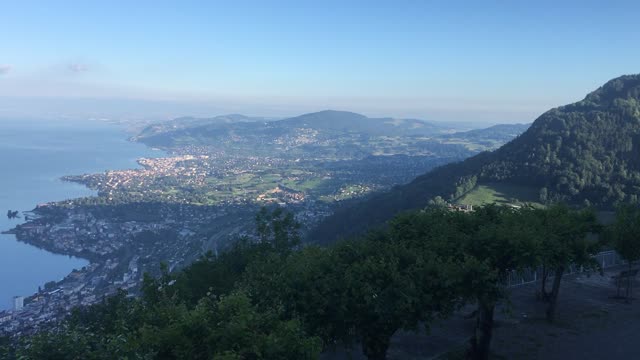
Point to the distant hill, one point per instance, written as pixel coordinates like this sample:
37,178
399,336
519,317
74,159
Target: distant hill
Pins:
323,124
186,122
351,122
584,153
321,136
490,136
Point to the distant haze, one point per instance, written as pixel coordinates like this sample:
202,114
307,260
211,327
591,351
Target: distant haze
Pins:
51,108
492,62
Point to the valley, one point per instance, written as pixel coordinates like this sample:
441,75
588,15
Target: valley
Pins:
319,180
205,192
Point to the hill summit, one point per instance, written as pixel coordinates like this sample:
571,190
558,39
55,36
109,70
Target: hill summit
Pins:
583,153
327,124
587,151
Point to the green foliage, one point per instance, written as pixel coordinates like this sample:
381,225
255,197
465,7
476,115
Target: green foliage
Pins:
563,233
479,248
263,300
563,239
624,233
198,313
278,228
387,286
464,185
501,193
227,328
361,290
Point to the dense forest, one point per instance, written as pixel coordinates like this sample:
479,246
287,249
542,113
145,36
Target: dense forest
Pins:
587,153
271,298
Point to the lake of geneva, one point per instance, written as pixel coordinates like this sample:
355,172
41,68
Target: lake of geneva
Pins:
33,157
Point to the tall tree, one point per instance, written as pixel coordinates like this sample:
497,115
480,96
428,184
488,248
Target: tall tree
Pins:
501,243
361,290
279,228
624,233
486,245
565,243
389,286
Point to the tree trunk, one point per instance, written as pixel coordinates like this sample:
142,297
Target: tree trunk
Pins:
544,296
553,298
376,343
481,342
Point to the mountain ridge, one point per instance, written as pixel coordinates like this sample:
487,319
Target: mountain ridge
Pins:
587,152
184,122
326,120
351,121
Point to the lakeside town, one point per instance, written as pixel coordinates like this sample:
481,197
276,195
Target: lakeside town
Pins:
121,245
195,200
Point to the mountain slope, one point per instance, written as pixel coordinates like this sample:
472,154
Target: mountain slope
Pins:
587,152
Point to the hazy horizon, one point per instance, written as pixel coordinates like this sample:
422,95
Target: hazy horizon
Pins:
496,62
161,110
400,166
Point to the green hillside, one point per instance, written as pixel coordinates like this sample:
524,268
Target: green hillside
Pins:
500,193
584,153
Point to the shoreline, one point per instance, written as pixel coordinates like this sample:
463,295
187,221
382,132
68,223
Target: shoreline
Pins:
93,261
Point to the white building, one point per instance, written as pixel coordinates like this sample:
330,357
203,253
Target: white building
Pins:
18,303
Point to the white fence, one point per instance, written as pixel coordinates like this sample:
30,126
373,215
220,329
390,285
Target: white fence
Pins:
606,259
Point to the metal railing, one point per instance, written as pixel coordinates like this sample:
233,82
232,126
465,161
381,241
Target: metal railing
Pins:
605,259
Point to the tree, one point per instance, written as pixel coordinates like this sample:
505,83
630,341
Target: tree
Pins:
227,327
278,234
624,233
437,201
565,242
485,247
544,195
501,243
388,286
218,274
361,290
279,228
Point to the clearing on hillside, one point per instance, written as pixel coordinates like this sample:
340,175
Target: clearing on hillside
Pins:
500,193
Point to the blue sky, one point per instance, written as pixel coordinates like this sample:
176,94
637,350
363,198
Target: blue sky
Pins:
443,60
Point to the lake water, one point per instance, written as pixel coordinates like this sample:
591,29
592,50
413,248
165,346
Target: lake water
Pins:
33,157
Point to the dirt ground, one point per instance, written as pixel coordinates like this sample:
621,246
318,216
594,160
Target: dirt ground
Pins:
590,324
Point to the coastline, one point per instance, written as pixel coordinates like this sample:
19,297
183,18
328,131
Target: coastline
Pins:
73,283
37,212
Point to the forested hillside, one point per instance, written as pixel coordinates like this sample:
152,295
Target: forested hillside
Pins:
585,153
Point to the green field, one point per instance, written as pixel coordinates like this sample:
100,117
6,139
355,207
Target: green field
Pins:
500,193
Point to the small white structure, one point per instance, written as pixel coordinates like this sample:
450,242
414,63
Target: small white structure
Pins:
18,303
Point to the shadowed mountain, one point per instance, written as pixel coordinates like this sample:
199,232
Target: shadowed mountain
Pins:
584,153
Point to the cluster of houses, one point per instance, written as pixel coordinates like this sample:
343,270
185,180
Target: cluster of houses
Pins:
460,207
